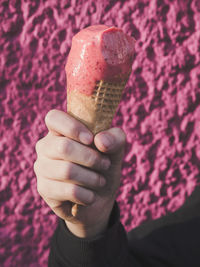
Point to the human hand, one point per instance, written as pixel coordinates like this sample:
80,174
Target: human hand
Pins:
72,166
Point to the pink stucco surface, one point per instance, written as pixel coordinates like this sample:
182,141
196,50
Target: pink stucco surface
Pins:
160,110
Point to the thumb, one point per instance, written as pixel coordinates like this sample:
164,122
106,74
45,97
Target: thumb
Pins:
112,142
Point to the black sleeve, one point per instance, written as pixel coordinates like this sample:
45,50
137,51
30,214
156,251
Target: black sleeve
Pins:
107,250
173,240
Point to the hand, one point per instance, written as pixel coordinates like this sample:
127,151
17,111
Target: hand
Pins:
73,166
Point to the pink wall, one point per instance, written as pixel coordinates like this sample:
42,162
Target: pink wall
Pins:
160,110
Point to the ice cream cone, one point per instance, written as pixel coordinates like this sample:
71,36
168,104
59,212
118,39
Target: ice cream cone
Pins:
96,111
97,69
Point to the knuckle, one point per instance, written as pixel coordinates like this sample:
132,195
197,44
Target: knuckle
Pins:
75,192
64,147
39,187
92,159
50,116
120,133
35,167
38,146
73,129
67,171
97,180
121,136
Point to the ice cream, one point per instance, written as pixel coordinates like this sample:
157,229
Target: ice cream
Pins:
97,69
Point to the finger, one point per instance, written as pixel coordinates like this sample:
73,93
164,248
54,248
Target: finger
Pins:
110,141
69,172
59,147
61,191
61,123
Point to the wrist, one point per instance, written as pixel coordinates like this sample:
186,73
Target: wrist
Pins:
83,231
92,224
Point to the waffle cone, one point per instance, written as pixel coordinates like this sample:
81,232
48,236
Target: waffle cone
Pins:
96,111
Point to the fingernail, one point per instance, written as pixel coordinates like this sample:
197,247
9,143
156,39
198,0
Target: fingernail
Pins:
90,197
85,196
107,140
102,181
105,163
85,138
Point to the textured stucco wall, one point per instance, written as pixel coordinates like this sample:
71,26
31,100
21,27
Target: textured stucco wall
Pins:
160,110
